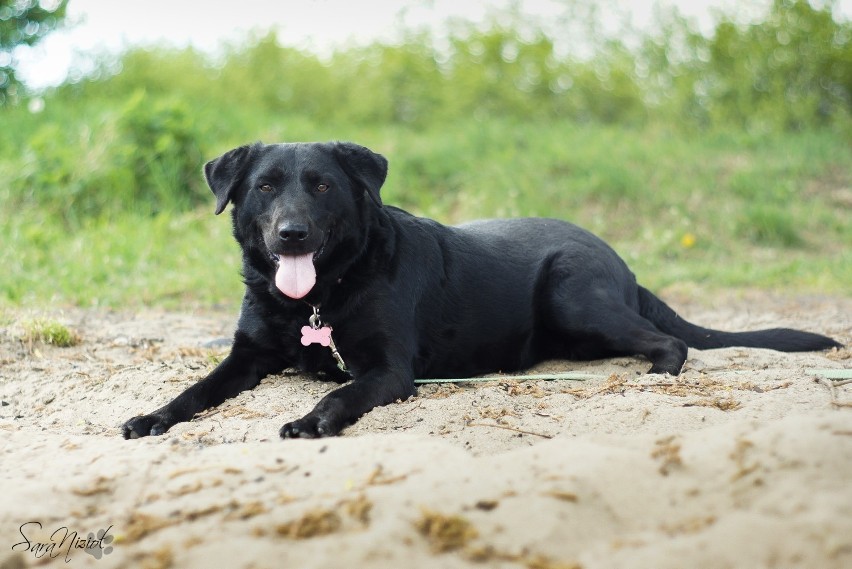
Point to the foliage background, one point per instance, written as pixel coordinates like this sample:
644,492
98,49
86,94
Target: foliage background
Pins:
720,159
23,23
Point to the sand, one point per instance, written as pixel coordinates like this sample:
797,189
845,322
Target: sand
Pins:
744,460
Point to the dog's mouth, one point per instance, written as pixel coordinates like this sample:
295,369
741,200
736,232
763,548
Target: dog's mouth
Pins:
296,274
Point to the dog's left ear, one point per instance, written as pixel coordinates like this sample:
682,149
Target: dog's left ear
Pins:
364,166
225,173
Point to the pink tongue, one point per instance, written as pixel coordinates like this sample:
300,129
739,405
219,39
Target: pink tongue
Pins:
296,275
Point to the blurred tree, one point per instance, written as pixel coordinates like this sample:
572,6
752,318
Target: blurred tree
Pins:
499,70
789,71
23,22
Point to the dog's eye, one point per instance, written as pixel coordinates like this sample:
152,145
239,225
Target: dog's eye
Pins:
322,188
265,188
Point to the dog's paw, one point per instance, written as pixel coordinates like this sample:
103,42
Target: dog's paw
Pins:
664,369
309,427
145,425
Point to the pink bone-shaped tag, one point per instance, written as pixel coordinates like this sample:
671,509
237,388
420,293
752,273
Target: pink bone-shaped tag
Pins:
321,336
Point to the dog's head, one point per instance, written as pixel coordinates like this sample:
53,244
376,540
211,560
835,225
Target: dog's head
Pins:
298,208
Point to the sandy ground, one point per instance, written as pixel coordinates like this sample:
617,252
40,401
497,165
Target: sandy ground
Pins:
744,460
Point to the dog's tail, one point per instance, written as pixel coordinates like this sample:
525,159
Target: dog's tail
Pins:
782,339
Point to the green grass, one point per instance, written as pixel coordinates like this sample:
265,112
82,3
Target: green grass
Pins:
49,332
130,260
722,209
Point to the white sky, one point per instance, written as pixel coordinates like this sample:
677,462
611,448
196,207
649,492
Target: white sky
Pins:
318,25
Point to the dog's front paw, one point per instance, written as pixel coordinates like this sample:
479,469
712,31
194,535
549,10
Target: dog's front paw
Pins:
146,425
309,427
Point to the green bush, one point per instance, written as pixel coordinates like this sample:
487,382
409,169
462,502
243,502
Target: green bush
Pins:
791,70
144,158
160,146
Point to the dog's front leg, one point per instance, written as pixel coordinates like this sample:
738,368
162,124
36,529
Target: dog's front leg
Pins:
242,369
347,404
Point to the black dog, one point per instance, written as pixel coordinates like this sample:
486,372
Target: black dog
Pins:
339,284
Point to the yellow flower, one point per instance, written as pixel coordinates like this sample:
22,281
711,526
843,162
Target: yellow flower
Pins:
687,240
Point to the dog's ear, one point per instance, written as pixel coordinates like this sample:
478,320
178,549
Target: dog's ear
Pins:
225,173
364,166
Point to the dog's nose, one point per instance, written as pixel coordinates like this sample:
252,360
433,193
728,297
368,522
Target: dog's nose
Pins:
291,232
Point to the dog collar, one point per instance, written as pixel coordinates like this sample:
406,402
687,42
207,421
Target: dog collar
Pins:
318,333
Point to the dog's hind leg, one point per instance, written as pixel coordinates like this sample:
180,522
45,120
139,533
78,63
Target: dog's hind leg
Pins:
591,327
